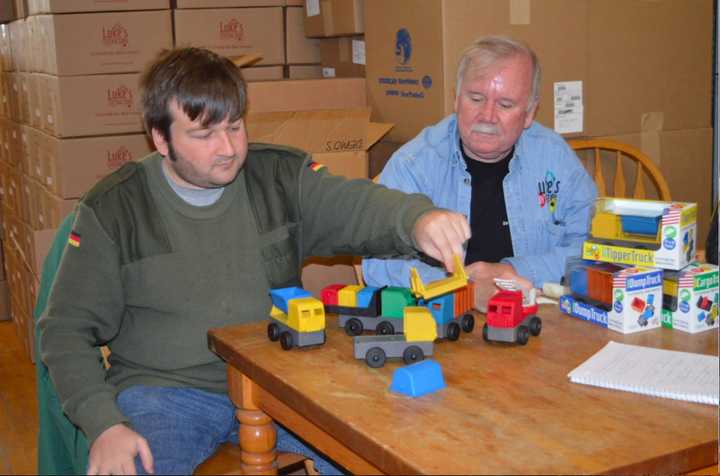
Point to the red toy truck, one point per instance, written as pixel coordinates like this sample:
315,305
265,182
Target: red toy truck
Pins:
511,315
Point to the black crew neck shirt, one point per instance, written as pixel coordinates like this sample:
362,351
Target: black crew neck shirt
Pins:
490,239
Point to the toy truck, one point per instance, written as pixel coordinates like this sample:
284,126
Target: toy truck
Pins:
381,309
511,315
412,346
297,319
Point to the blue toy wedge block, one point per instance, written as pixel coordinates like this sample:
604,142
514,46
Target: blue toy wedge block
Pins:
418,379
281,296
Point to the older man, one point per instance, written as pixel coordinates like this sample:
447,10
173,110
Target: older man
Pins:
526,195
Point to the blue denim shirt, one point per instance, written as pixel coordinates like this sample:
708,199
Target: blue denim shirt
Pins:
548,195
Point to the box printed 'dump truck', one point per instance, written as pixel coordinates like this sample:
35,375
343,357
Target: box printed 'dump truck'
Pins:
643,233
621,298
690,298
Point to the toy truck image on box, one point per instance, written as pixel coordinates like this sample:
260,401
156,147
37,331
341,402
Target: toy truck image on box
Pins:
511,315
297,319
382,309
642,233
621,298
412,346
690,298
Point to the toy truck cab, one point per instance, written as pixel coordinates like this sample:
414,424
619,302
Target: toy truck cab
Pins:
511,316
297,319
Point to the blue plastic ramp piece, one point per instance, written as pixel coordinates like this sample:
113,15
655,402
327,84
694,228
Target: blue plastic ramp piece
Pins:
281,296
418,379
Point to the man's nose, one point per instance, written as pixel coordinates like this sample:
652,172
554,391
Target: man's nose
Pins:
487,112
226,148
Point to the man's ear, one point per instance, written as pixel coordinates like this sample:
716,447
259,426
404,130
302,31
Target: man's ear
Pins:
530,116
161,144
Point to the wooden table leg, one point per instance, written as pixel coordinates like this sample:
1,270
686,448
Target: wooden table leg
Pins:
257,432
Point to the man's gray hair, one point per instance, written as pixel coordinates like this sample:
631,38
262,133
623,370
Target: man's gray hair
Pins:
485,52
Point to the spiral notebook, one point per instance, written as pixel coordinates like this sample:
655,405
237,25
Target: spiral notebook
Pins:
655,372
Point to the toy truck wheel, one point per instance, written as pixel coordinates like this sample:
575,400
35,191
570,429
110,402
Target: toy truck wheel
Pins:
535,326
413,354
375,357
467,323
385,328
523,334
486,336
453,331
273,332
353,327
286,340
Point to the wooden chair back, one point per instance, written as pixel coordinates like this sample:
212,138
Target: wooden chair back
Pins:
605,149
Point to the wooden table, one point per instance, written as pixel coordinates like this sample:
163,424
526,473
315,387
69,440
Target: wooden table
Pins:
506,409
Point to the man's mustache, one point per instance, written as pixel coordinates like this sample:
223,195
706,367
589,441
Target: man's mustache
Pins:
485,128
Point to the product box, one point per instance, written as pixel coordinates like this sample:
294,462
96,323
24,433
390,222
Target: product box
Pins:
623,299
343,57
234,32
334,18
101,43
643,233
79,6
306,95
304,71
690,298
90,105
70,167
228,3
412,69
298,48
263,73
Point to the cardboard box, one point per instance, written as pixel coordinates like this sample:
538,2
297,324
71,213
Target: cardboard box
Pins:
7,12
228,3
263,73
325,18
91,105
6,61
318,273
643,233
635,293
691,298
304,71
593,46
306,95
298,48
343,57
81,6
234,31
101,43
70,167
54,210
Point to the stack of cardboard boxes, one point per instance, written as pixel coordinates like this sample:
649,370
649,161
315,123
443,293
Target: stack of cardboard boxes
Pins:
272,29
70,115
340,26
636,71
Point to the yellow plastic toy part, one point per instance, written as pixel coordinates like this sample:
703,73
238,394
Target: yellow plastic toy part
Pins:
305,315
419,324
441,286
347,296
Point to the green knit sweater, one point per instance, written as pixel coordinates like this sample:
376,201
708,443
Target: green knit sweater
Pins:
148,274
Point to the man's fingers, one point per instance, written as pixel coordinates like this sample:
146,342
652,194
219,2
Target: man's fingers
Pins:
146,456
92,469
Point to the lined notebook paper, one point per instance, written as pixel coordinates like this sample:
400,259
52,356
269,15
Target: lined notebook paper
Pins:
656,372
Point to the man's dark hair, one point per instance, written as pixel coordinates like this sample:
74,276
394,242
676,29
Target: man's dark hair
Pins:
204,85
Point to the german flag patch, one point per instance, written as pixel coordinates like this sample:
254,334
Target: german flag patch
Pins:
315,166
74,239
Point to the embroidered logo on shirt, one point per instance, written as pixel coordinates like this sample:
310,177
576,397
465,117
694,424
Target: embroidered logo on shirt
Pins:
315,166
548,190
74,239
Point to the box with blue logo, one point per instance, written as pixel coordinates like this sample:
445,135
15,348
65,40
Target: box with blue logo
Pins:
690,298
623,299
643,233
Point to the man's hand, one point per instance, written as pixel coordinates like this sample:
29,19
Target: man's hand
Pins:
483,274
441,234
114,451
